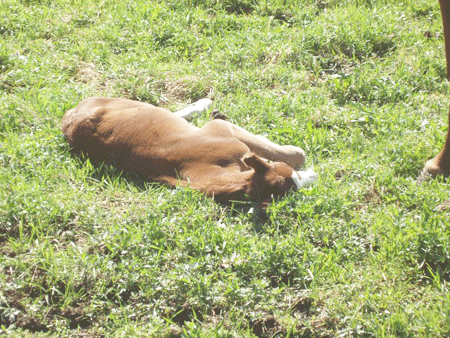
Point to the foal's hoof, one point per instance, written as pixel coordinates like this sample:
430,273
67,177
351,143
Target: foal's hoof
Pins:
216,114
295,156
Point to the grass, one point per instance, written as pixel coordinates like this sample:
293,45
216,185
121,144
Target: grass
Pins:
89,251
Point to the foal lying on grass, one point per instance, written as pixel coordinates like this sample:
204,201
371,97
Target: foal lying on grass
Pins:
220,159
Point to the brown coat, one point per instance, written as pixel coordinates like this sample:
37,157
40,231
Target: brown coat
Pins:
219,159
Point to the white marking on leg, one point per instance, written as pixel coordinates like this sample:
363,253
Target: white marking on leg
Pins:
304,178
197,107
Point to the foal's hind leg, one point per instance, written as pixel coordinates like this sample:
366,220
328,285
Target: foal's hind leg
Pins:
194,109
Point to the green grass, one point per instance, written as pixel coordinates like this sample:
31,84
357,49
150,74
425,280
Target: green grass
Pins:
88,251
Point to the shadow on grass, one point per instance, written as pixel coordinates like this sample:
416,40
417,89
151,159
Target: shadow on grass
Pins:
105,172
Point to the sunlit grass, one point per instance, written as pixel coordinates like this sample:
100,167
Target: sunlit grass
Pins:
87,250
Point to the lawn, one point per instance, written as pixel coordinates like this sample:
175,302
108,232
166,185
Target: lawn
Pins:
89,251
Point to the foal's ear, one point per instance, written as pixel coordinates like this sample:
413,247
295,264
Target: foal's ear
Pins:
256,163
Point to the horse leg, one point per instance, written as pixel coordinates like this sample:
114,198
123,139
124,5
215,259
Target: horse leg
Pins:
440,165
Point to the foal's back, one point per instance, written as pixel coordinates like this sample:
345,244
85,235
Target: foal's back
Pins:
149,140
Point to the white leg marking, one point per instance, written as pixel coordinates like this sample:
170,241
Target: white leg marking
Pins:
304,178
197,107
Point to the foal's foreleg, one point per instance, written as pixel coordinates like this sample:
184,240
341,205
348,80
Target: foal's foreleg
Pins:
261,146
